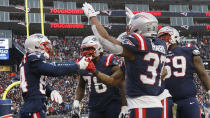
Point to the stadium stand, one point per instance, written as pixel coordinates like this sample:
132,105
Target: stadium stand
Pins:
191,19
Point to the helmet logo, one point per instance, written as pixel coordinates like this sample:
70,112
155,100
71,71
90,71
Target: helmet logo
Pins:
94,39
39,36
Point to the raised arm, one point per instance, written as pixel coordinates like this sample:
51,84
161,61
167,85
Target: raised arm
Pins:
106,40
200,70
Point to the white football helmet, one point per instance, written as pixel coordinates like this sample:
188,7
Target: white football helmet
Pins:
175,37
91,47
40,43
144,23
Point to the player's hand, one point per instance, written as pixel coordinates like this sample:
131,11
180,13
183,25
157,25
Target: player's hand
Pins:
91,66
124,112
83,63
55,96
76,108
128,13
89,10
86,64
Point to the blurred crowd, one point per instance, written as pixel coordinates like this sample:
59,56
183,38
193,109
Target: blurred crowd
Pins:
65,49
68,49
203,45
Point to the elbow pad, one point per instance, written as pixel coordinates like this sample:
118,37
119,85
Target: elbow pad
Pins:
107,45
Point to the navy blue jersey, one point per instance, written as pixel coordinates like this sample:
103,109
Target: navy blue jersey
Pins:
179,65
32,71
100,94
143,73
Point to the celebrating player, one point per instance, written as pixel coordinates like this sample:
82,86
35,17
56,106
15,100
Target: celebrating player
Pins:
181,63
144,59
33,68
105,99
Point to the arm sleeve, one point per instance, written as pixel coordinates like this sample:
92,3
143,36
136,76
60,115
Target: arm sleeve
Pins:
49,89
47,69
107,45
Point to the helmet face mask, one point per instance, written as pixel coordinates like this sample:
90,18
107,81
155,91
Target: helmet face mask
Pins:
173,35
88,52
48,48
91,47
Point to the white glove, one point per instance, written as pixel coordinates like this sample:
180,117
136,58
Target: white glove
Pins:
56,96
83,64
76,107
124,112
89,11
128,13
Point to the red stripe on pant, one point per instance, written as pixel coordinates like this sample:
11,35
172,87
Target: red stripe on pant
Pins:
37,114
162,108
143,110
166,107
144,113
137,112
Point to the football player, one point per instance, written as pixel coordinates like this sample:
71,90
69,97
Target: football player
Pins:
181,63
145,55
164,96
33,68
105,100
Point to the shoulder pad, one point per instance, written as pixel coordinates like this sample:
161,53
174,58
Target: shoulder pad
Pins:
35,56
108,60
135,42
128,40
112,60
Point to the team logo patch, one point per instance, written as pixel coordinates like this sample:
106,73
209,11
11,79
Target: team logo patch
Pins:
127,42
116,62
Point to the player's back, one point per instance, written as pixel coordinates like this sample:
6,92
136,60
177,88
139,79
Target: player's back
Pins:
101,94
143,73
179,80
32,84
